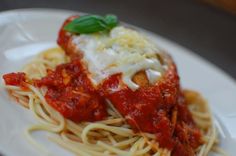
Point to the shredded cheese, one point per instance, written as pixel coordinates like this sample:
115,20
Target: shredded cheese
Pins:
122,50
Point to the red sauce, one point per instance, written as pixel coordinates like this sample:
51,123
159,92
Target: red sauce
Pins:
16,79
71,93
64,36
149,109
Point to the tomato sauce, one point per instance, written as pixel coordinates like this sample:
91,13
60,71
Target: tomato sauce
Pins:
63,35
71,93
150,109
16,79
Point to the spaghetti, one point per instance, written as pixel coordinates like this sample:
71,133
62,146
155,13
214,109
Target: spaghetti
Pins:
109,136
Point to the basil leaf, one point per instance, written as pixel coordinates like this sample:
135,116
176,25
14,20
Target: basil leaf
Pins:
91,24
111,21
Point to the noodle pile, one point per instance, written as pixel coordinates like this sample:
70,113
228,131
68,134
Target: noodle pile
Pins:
112,136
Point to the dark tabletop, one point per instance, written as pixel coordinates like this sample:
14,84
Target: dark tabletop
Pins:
207,31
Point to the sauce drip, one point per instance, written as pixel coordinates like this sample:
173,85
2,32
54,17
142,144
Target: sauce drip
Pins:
16,79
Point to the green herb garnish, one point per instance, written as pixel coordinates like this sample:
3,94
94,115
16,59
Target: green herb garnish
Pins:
91,23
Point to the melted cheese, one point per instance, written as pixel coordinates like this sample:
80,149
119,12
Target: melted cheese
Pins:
122,50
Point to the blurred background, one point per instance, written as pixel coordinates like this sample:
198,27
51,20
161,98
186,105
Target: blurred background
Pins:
207,27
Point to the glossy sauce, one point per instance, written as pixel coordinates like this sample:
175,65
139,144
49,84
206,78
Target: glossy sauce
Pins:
71,93
151,109
16,79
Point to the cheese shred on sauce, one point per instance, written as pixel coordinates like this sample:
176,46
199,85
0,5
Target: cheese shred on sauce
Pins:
122,50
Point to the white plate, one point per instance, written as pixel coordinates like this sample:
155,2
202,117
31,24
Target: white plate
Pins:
23,33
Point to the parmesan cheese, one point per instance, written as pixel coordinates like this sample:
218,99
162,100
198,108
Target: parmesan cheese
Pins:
122,50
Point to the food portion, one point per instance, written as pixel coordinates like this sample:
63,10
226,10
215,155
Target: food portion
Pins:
116,92
112,62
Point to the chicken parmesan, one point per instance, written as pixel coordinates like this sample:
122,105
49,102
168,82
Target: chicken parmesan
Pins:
110,90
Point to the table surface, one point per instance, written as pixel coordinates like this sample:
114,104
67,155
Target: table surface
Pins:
207,31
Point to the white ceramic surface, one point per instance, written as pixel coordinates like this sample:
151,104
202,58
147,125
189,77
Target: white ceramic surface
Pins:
24,33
